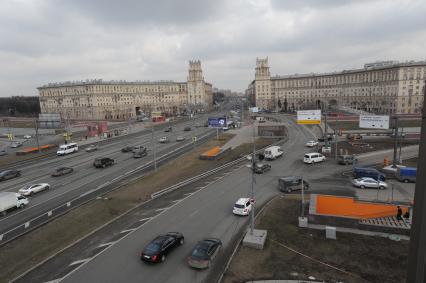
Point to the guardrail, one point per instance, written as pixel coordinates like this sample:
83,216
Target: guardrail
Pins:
88,196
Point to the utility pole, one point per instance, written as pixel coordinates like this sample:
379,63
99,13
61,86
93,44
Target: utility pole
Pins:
303,199
36,131
417,254
253,180
153,146
400,145
395,147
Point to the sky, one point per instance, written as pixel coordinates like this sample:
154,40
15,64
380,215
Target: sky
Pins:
43,41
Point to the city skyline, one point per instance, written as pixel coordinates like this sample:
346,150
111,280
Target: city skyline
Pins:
44,42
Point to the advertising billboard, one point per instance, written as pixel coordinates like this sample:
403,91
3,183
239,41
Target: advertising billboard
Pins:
218,122
374,122
309,117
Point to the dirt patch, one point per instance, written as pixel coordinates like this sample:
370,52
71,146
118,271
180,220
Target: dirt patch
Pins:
363,258
32,248
12,158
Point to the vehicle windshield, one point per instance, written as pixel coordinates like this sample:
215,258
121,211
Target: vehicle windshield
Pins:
26,187
152,247
199,253
239,206
307,156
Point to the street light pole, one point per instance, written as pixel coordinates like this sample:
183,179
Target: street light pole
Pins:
153,146
395,147
36,130
253,180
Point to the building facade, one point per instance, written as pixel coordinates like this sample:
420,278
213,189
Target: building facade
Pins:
120,100
387,87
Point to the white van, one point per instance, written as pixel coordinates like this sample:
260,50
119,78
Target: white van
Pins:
313,157
67,148
273,152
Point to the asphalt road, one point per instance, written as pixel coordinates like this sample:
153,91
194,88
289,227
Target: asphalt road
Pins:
85,177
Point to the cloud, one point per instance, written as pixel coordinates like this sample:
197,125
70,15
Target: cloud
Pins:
49,41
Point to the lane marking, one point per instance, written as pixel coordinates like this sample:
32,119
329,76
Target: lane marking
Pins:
187,194
128,230
54,281
106,244
80,261
177,200
192,214
145,219
88,192
162,209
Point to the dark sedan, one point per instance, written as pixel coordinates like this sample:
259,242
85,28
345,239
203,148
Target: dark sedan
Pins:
204,252
9,174
140,153
157,249
187,129
127,149
62,171
261,168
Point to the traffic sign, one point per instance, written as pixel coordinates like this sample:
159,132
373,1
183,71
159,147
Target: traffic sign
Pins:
218,122
309,117
374,121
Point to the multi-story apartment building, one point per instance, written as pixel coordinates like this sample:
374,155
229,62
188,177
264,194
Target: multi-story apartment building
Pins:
118,100
383,87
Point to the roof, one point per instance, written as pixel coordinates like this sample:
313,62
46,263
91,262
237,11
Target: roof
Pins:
242,200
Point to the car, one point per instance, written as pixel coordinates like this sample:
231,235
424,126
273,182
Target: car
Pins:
311,143
127,149
103,162
261,168
157,249
187,129
292,183
27,136
328,138
138,148
16,144
367,182
204,252
164,140
139,153
9,174
180,138
62,171
168,129
243,207
346,159
313,157
29,190
91,148
3,152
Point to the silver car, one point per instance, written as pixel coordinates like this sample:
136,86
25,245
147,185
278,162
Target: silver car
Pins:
367,182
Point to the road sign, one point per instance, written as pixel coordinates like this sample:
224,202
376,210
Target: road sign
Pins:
374,121
194,139
309,117
218,122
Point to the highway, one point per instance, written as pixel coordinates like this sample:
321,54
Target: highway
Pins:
86,178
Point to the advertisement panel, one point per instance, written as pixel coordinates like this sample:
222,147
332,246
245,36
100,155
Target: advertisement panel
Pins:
218,122
374,121
309,117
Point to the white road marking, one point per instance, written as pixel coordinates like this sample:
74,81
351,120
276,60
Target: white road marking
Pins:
128,230
54,281
80,261
106,244
192,214
1,237
177,200
145,219
88,192
188,194
162,209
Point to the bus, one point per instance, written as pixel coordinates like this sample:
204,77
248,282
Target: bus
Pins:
67,148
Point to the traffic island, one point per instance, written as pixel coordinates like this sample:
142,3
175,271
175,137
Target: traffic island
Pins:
255,240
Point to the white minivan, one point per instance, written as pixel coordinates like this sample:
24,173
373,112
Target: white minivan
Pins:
67,148
313,157
273,152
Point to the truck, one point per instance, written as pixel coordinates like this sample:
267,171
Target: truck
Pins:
406,174
11,200
273,152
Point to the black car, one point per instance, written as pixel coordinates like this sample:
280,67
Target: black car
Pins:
103,162
187,129
292,183
62,171
140,153
261,168
204,252
127,149
9,174
168,129
157,249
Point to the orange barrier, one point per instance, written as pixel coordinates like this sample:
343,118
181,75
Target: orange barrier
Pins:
34,149
212,152
349,207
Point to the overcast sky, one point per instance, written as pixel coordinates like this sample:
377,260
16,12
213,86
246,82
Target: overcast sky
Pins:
44,41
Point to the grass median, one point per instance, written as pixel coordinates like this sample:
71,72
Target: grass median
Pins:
32,248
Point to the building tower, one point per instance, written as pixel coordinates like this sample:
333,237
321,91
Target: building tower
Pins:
263,92
196,91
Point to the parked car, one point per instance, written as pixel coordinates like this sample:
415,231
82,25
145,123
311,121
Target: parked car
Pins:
140,153
313,157
32,189
164,140
353,137
62,171
27,136
204,252
91,148
9,174
360,172
346,159
367,182
168,129
328,138
16,144
243,207
311,143
127,149
187,129
180,138
103,162
3,152
292,183
261,168
157,249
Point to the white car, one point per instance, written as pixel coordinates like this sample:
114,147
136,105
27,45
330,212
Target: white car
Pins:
366,182
243,207
16,144
27,137
163,140
32,189
311,143
313,157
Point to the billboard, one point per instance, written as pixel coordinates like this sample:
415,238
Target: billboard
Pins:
374,122
218,122
254,109
309,117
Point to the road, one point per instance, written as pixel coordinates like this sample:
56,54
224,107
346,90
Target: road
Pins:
85,177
